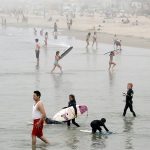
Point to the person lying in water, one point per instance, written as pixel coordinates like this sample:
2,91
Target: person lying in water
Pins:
96,125
50,121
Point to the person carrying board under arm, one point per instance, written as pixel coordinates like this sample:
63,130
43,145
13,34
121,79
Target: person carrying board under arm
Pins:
56,64
38,116
72,102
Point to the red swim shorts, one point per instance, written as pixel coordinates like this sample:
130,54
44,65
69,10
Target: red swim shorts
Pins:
37,131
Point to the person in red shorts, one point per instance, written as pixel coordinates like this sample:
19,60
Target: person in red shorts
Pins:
38,116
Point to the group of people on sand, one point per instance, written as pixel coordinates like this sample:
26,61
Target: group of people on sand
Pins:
39,115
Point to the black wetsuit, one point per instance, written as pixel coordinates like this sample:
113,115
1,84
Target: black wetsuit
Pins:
95,124
50,121
129,102
73,103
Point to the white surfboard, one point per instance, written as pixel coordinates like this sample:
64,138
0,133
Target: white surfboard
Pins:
102,133
69,113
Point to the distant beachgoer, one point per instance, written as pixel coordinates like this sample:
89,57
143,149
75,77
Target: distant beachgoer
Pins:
41,32
88,39
35,31
112,54
117,43
95,125
55,30
38,116
46,38
129,102
37,50
56,64
72,102
94,39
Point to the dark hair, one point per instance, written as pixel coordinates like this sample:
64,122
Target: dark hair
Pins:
103,120
37,93
36,40
57,52
72,96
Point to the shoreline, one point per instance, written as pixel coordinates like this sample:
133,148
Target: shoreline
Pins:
103,37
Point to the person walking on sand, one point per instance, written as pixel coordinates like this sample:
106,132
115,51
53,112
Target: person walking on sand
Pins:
56,64
94,39
129,102
38,116
112,54
88,39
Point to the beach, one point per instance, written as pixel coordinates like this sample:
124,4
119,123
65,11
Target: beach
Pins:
85,74
130,34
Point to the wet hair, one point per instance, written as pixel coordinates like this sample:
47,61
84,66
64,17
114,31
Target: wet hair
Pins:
130,84
57,52
36,40
37,93
103,120
72,96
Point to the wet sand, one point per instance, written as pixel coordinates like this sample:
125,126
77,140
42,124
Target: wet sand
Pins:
86,75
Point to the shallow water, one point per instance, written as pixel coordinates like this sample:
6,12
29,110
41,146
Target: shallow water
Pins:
86,75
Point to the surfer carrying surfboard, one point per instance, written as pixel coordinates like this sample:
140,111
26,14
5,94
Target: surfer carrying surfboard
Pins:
56,64
95,125
129,102
72,102
38,116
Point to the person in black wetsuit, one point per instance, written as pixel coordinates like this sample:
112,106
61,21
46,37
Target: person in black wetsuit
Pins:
72,102
95,125
50,121
129,101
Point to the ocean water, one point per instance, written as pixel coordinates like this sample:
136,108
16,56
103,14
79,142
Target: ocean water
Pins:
86,75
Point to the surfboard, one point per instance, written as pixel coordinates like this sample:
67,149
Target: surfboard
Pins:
98,133
66,52
69,113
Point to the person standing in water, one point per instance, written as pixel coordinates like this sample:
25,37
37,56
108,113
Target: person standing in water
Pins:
94,39
56,64
95,125
72,102
88,39
37,50
46,38
38,116
55,30
112,54
129,102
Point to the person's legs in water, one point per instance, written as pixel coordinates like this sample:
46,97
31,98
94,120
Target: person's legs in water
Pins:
33,140
60,68
68,123
131,109
109,65
125,109
73,122
113,65
94,130
99,129
53,68
44,139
